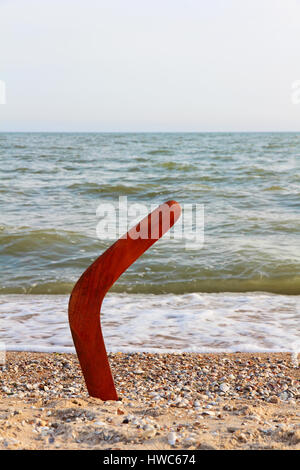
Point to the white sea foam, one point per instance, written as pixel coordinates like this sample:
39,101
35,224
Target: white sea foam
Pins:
192,322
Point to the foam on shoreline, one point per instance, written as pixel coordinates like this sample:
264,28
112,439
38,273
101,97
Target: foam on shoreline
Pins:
250,322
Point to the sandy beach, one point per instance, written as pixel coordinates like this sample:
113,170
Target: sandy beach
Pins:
167,401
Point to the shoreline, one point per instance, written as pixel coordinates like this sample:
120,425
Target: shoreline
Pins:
167,401
200,323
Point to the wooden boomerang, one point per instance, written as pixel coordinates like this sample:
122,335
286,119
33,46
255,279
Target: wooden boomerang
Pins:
87,296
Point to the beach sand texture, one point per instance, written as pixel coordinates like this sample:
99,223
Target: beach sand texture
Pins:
168,401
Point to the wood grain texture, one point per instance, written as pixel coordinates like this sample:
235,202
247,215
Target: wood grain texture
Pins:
88,293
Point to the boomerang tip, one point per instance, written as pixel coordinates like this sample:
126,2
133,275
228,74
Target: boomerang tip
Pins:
174,205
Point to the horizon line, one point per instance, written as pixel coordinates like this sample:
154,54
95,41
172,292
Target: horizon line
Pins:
149,132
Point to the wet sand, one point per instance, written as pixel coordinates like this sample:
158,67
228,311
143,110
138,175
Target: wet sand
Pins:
167,401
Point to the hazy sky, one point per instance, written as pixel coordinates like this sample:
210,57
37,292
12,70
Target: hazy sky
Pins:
149,65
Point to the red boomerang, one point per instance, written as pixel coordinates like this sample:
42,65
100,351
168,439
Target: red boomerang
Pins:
88,293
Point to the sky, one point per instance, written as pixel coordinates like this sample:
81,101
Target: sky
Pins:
141,65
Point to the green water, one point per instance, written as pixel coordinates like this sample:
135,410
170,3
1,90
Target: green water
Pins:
249,184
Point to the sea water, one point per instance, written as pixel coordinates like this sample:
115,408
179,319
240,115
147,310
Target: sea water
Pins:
239,291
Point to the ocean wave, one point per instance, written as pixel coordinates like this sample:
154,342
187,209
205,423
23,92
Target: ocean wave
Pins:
49,261
161,151
110,189
24,239
178,166
274,188
285,286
